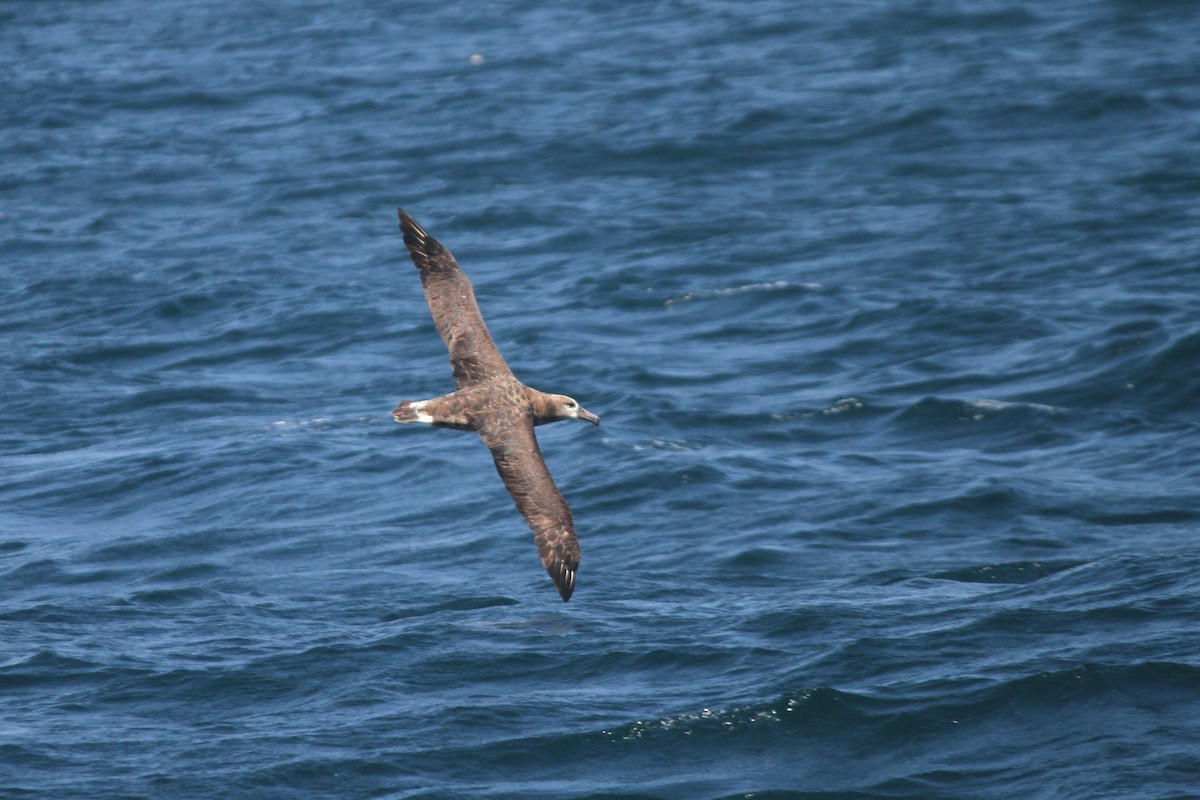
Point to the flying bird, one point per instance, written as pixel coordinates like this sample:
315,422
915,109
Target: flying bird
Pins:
489,400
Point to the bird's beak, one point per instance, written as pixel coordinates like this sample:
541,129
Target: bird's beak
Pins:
589,416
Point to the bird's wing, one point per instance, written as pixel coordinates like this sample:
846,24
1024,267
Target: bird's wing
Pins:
519,462
474,357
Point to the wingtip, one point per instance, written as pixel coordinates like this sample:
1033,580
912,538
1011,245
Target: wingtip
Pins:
423,248
564,579
407,223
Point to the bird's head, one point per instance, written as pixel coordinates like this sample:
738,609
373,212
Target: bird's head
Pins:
567,408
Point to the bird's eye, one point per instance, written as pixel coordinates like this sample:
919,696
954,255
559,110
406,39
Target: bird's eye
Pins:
571,404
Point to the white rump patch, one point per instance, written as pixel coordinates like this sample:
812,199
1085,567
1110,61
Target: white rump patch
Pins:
421,415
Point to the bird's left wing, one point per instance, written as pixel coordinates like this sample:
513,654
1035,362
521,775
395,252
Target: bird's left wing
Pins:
474,357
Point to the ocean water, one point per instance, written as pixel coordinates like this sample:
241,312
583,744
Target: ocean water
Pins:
891,311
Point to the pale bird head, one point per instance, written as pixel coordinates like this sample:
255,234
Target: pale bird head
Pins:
569,409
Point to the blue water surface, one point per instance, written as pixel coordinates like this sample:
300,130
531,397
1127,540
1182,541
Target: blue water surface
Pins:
891,311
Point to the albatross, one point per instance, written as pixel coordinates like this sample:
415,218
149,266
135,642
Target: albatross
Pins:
489,400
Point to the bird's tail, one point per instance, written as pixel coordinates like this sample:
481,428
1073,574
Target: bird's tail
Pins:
406,411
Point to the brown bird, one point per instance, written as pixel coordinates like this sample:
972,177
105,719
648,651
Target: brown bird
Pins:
492,402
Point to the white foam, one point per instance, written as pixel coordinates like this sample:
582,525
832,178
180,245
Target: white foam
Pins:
749,287
1000,405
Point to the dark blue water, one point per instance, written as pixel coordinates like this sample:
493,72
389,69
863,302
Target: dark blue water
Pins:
891,311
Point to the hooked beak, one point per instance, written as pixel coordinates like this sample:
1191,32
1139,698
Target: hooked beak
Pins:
589,416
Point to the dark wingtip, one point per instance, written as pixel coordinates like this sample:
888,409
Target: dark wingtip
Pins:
409,225
564,579
421,246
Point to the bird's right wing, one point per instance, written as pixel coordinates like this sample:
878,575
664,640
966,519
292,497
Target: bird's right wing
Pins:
519,461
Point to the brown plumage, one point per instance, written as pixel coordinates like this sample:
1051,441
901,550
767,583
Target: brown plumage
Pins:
492,402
